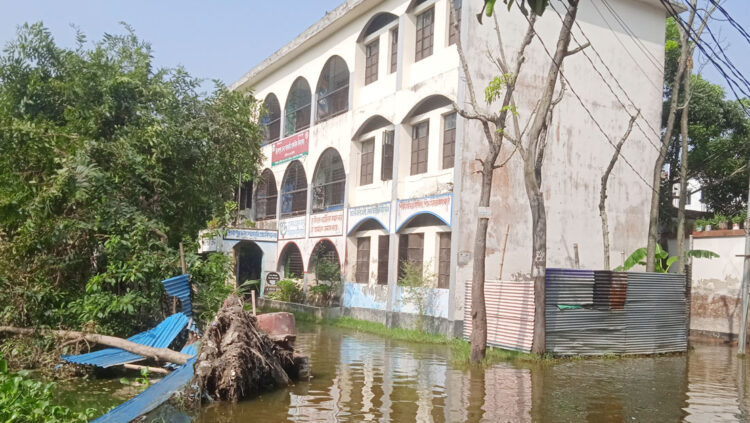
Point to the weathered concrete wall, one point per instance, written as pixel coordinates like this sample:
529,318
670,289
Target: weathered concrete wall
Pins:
577,152
715,287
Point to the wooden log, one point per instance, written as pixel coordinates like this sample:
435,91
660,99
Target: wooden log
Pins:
138,367
162,354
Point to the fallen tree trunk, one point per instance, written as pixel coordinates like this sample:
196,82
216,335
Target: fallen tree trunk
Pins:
162,354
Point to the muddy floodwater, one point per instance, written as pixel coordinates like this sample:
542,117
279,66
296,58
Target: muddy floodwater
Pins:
361,377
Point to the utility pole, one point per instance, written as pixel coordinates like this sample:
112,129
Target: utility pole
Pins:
745,276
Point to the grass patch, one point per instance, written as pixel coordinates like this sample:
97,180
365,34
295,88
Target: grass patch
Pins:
461,349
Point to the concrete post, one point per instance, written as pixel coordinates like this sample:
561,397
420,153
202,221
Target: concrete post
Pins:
745,280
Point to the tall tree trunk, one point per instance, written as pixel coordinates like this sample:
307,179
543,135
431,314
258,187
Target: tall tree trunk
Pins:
533,159
478,307
681,256
539,257
653,217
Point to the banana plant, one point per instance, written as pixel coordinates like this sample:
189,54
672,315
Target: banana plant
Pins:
663,260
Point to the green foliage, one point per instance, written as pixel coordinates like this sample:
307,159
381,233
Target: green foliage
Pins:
495,87
718,139
106,164
663,260
701,223
209,276
327,270
537,6
23,400
287,291
321,289
142,382
415,283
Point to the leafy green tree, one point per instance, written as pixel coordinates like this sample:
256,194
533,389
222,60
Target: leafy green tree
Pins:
106,164
719,140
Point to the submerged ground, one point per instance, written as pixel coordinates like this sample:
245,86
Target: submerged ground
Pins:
364,377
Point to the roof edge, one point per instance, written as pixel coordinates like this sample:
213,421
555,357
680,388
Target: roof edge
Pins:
299,41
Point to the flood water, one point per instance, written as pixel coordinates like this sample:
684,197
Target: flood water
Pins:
362,377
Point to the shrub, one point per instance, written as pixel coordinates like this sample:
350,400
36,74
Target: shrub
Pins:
327,270
24,400
287,290
415,281
209,275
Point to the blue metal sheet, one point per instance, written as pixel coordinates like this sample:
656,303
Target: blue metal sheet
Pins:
152,397
179,286
159,337
191,350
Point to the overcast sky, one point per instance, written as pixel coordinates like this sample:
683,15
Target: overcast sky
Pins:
224,39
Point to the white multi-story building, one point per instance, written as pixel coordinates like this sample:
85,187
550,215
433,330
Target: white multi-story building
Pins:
367,162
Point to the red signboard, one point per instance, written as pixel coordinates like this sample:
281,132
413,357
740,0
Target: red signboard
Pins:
290,148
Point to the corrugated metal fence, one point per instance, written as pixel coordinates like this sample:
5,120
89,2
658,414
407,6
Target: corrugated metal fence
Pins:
601,312
589,313
510,314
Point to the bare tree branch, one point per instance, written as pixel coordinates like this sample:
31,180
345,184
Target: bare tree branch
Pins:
603,190
577,49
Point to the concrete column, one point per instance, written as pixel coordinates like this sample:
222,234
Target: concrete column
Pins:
400,56
393,240
456,299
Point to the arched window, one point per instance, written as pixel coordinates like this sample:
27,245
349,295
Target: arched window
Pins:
328,182
290,262
294,190
265,196
271,121
324,261
333,89
297,109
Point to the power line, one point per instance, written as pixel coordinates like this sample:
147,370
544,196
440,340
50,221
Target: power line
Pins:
625,48
689,33
639,43
613,77
588,111
726,59
731,20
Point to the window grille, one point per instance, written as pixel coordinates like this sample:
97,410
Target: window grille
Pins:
297,110
333,89
294,191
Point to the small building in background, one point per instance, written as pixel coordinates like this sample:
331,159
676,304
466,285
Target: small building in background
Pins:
694,200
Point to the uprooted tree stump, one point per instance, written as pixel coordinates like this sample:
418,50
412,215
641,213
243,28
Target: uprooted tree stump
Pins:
238,360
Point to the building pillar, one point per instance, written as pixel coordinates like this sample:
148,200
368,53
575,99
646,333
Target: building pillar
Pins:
392,301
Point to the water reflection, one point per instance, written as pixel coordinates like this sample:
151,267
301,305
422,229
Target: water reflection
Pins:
360,377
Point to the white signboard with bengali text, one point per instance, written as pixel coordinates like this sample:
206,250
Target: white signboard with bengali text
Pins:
327,224
292,228
440,206
379,212
260,235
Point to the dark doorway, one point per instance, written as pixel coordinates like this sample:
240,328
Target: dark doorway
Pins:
249,261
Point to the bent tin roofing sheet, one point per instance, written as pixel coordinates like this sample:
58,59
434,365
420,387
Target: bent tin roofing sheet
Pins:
159,337
179,286
152,397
